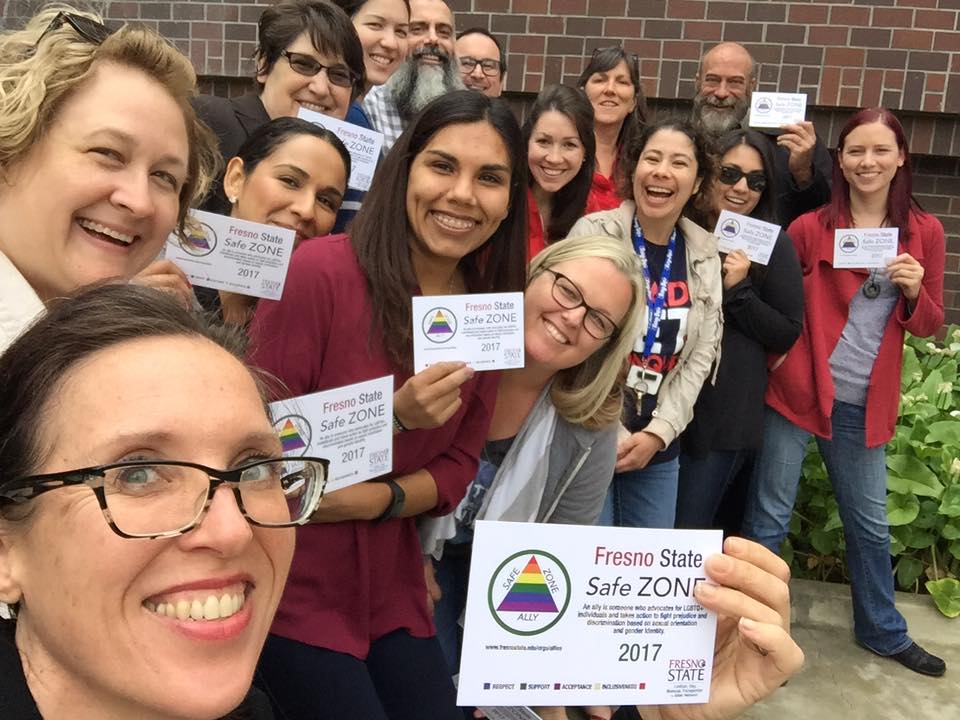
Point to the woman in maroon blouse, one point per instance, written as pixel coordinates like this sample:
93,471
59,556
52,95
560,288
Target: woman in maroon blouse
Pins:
353,636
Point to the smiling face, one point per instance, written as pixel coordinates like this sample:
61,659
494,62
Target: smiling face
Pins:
612,94
870,159
86,626
458,191
738,198
284,91
383,26
299,186
480,47
431,25
554,151
97,197
554,336
724,84
666,176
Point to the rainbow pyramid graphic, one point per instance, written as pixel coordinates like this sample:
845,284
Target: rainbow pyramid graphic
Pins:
439,325
530,592
290,438
197,240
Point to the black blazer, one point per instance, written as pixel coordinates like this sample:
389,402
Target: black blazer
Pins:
233,120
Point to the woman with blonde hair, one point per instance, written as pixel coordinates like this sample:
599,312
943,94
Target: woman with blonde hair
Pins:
101,155
551,445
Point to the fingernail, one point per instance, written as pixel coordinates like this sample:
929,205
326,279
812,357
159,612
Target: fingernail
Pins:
735,545
705,589
748,624
720,563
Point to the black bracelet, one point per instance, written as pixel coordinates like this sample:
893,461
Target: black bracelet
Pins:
397,499
398,427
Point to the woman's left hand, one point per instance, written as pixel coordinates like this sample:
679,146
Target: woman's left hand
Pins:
736,265
907,274
636,450
754,653
165,275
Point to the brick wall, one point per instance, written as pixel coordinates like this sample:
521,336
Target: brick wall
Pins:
904,54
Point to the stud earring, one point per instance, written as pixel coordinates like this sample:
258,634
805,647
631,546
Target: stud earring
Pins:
232,200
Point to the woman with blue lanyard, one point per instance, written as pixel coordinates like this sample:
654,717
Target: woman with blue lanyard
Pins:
680,333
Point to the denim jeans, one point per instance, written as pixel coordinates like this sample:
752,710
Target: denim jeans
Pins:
645,498
859,478
452,573
704,481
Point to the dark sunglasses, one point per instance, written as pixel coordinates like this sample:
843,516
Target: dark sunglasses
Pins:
90,30
731,174
339,75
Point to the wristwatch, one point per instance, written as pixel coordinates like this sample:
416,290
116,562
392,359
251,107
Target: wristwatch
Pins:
397,499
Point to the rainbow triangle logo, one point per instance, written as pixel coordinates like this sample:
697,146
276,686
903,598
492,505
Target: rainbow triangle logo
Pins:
530,592
290,438
197,241
439,325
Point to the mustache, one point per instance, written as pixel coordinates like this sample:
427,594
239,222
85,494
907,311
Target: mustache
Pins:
434,51
727,102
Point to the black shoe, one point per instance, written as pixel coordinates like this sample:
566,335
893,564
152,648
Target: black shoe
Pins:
920,661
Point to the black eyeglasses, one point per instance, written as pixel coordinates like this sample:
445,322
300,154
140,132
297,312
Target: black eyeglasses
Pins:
90,30
569,296
339,75
160,498
731,174
489,66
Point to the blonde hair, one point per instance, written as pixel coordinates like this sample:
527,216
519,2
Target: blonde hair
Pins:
40,70
591,393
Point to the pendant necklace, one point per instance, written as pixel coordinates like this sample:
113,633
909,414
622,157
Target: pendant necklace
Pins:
871,288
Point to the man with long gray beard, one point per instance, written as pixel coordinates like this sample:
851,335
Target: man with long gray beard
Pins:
429,71
803,166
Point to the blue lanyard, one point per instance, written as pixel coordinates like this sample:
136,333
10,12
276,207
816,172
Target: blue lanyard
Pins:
655,303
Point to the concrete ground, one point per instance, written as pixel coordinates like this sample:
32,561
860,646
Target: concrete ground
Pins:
843,681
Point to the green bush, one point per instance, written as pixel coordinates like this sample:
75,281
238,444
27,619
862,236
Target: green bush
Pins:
923,485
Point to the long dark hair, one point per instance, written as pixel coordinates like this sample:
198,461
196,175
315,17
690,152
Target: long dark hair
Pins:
569,201
606,59
766,208
382,240
263,141
900,199
702,153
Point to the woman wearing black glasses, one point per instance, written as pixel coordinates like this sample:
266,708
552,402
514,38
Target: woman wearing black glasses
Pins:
308,56
132,545
763,311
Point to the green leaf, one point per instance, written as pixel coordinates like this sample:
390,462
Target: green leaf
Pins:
824,542
950,504
954,549
913,538
921,480
950,531
946,594
929,516
896,546
908,570
911,365
833,519
946,432
902,509
930,384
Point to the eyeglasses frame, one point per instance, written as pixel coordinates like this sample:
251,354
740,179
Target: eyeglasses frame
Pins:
497,71
30,487
748,175
583,303
80,24
320,66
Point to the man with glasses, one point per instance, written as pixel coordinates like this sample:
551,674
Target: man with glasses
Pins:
483,65
724,85
428,72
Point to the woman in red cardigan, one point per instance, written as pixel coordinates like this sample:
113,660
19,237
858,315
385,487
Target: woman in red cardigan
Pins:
841,380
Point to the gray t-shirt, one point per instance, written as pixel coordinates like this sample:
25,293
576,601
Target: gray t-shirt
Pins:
851,362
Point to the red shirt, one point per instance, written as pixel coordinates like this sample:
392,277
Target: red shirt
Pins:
801,387
536,238
353,582
603,194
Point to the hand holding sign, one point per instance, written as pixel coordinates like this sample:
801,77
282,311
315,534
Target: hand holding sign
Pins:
799,139
432,396
736,265
907,274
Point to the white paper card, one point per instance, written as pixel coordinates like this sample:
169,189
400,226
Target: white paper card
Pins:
773,109
362,144
739,232
577,615
483,330
351,426
224,253
864,247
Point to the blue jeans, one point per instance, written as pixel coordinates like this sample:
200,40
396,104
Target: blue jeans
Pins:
452,573
645,498
859,478
703,483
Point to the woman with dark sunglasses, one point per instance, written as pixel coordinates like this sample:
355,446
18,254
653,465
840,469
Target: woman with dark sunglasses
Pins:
763,310
308,56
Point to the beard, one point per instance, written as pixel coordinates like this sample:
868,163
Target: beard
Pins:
414,85
719,116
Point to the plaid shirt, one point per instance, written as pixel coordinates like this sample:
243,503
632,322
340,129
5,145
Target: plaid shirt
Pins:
382,111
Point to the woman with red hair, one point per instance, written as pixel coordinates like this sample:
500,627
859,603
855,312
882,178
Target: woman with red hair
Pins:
841,380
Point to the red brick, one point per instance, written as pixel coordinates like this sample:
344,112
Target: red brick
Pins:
686,9
206,31
766,12
534,63
872,87
533,44
702,30
827,35
493,6
913,39
225,13
851,76
608,8
531,7
533,82
546,25
568,7
623,27
936,82
129,10
647,8
643,48
918,3
851,15
946,41
932,102
649,87
584,26
785,34
845,57
560,45
727,11
928,61
662,29
893,79
850,97
829,86
680,50
870,37
743,32
892,17
936,19
809,14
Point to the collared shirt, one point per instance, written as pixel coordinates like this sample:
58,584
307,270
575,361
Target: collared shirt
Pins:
382,111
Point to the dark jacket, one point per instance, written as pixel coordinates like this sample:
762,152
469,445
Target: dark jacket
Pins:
793,201
233,120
